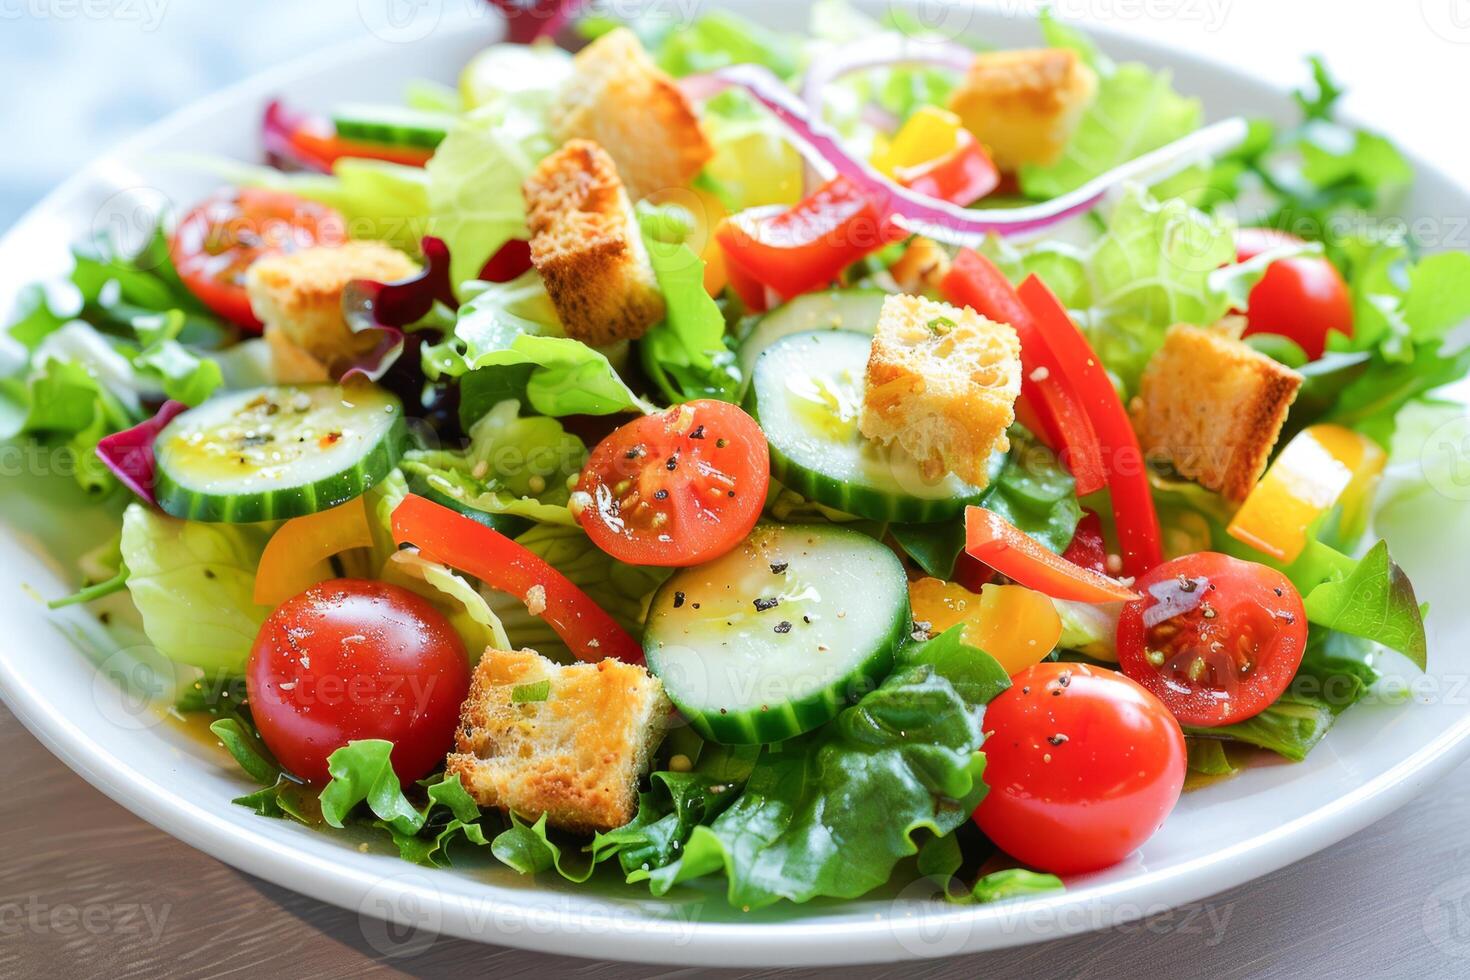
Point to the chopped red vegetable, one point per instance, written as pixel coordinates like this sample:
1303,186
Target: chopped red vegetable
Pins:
974,281
1015,554
1133,505
446,536
312,144
961,177
1088,549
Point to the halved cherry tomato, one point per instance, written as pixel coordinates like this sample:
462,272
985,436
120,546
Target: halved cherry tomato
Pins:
1001,545
677,488
808,245
1302,298
350,659
220,239
1217,639
463,543
1083,766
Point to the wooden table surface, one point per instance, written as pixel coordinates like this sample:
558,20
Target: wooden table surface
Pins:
89,890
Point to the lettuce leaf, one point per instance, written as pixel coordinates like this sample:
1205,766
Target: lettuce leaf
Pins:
1376,602
1136,110
194,587
465,608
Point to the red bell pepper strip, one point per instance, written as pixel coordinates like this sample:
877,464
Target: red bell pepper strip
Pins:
808,245
1133,504
974,281
311,143
452,539
1001,545
962,176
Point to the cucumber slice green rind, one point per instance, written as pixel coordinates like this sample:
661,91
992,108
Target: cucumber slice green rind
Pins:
506,524
390,125
860,662
838,309
886,492
179,495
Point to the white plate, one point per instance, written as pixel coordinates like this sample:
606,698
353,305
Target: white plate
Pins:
1378,756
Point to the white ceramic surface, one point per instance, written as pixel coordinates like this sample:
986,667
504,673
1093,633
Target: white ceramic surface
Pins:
1378,756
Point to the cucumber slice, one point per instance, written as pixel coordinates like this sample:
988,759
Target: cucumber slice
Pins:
777,636
837,309
506,524
806,393
272,453
391,125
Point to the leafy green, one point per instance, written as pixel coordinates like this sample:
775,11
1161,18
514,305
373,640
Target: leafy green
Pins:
1207,756
514,325
721,38
244,746
1375,602
802,826
466,609
1013,883
194,585
685,354
1136,110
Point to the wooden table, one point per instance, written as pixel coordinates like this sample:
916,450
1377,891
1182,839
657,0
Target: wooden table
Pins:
89,890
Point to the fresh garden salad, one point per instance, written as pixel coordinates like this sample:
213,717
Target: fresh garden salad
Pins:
804,464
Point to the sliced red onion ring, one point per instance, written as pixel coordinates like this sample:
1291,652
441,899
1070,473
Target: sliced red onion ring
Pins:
276,129
129,453
382,309
531,20
883,51
948,223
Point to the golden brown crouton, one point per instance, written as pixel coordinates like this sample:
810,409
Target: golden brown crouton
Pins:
300,294
943,383
619,98
922,267
1024,105
574,755
1213,407
586,245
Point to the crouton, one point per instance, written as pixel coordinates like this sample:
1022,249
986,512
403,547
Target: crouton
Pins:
290,363
617,97
1024,105
1213,407
586,245
942,382
922,266
575,755
300,295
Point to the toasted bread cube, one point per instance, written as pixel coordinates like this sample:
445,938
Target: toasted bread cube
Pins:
575,756
1213,407
922,266
942,382
299,294
586,244
1024,105
617,97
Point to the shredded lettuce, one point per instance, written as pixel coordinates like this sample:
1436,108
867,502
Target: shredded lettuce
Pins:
194,586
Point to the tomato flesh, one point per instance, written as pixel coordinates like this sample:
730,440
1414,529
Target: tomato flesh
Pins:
351,659
1217,639
1302,298
1083,766
216,243
677,488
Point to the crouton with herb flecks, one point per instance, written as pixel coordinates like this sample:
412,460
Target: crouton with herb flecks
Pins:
942,382
570,742
617,97
586,244
1024,105
1213,407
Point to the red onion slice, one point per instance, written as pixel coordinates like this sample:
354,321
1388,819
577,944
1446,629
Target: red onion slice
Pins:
883,51
530,20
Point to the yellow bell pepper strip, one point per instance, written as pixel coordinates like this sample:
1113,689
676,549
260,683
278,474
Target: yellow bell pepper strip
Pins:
294,558
1322,468
930,133
1015,625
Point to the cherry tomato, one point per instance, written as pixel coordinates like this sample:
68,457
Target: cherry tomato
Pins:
1217,639
677,488
798,249
1302,299
351,659
1083,766
216,243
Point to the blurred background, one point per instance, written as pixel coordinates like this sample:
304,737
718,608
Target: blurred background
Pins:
80,75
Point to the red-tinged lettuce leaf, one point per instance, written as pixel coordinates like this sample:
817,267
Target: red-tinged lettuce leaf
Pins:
512,261
129,454
530,20
383,309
